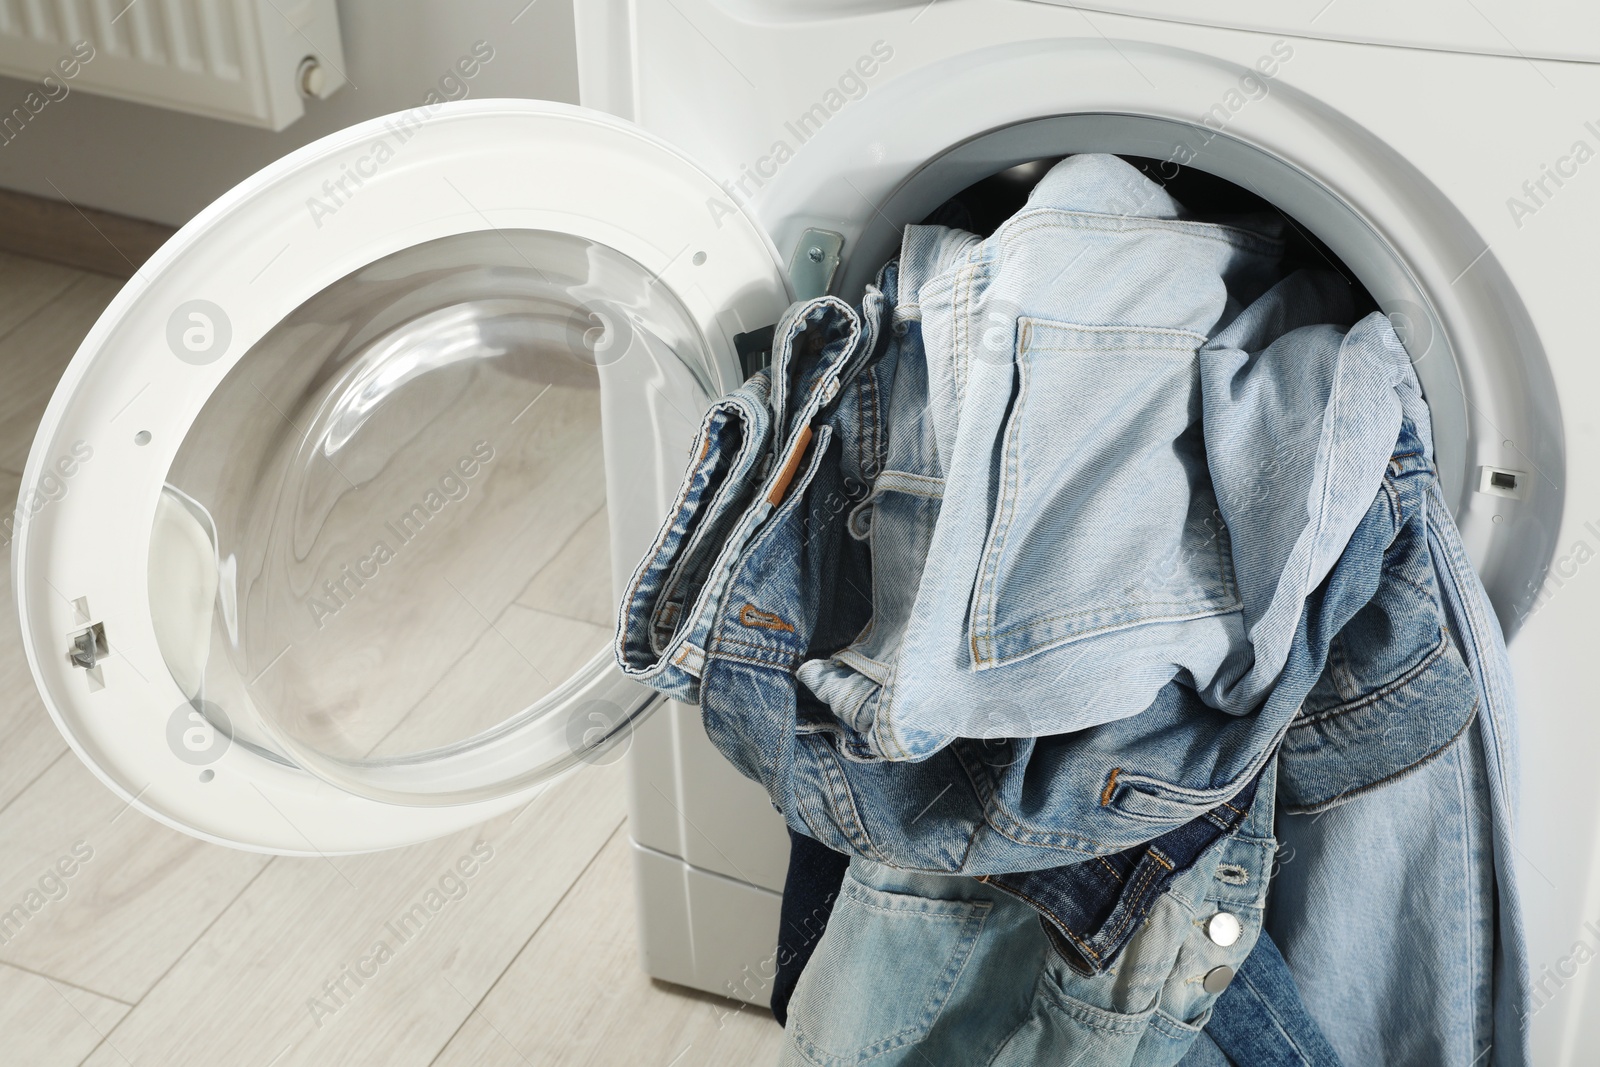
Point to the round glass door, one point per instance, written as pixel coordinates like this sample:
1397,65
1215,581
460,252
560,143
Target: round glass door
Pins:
384,551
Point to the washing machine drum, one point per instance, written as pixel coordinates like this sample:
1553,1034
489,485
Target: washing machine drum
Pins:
357,474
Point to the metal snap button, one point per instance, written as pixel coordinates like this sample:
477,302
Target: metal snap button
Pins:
1217,979
1224,928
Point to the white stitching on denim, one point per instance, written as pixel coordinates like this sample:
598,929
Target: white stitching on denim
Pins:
1233,874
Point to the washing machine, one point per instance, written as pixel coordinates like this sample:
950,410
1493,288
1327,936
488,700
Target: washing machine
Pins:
346,479
1446,154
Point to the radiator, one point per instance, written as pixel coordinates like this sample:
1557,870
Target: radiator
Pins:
247,61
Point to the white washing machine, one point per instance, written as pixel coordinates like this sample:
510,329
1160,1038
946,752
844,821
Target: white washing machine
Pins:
1447,152
349,463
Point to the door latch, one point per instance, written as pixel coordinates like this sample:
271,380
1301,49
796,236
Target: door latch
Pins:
88,648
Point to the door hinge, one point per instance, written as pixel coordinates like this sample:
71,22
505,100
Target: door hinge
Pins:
814,262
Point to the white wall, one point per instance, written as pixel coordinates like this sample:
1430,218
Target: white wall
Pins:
165,166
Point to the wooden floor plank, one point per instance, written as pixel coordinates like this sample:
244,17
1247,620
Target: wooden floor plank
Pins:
577,996
47,1024
333,962
33,355
29,741
134,894
26,285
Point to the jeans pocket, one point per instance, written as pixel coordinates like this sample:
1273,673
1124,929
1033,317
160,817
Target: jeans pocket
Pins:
1150,1008
1104,516
1063,1028
888,963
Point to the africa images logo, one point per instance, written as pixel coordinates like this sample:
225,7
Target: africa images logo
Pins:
399,932
453,84
343,586
51,89
850,85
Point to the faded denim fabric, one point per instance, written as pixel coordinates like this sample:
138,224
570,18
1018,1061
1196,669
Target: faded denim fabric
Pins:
679,579
1413,983
933,970
1106,402
730,489
1260,1020
1386,859
1395,690
1394,686
1470,614
819,520
791,582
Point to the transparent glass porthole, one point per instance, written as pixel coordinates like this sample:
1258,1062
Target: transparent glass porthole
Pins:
384,548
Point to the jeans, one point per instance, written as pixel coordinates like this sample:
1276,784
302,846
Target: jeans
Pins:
810,887
1390,686
789,580
743,461
1382,862
1090,910
1045,446
1260,1020
934,970
777,555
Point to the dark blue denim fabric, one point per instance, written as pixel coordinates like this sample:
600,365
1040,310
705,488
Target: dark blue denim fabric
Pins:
810,887
1260,1020
1090,910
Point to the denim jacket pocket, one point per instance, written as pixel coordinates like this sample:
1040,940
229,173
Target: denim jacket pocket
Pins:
1103,515
924,943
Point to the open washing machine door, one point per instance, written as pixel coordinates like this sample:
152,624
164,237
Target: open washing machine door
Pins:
357,461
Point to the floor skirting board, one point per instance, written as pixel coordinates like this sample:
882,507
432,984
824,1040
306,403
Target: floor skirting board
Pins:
77,236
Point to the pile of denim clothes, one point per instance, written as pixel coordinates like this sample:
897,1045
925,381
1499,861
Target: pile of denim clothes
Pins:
1088,592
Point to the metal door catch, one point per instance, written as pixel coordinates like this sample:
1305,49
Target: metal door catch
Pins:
89,647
